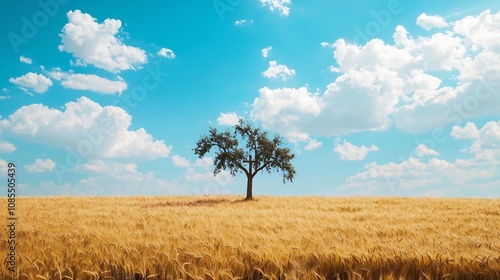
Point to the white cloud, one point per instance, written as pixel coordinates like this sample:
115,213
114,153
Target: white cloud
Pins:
26,60
84,128
116,178
358,100
472,50
89,82
204,162
486,139
469,131
37,82
40,165
325,44
192,176
265,51
481,31
6,147
230,119
334,69
99,43
206,176
416,84
428,22
184,162
279,5
348,151
180,161
200,173
131,184
109,168
243,21
478,175
276,70
423,150
3,167
313,145
286,111
168,53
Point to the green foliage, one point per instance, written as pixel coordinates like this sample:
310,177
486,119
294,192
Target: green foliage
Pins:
267,154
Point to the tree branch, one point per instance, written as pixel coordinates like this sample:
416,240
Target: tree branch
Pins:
262,167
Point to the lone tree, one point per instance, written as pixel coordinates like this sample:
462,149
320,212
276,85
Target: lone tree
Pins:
260,152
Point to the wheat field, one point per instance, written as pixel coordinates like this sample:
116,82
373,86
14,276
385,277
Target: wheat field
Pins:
267,238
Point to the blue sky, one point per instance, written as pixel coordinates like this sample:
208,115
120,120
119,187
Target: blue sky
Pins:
375,98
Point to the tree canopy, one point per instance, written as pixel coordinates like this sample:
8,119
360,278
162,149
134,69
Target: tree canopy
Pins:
259,152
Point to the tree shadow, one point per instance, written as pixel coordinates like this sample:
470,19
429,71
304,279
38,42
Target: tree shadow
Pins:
198,202
201,202
244,200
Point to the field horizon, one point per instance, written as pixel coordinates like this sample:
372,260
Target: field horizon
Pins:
269,237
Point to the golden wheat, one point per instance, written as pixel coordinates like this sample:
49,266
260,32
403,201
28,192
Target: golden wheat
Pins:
268,238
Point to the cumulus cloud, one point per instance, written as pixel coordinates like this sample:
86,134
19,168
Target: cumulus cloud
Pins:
180,161
423,150
110,168
89,82
348,151
358,100
6,147
282,6
276,70
99,44
334,69
265,51
286,110
472,52
313,144
37,82
205,176
193,176
428,22
486,140
3,167
168,53
84,128
40,165
469,131
200,173
26,60
230,119
382,84
479,174
107,177
481,31
204,162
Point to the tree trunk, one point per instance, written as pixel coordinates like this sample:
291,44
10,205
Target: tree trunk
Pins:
249,188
